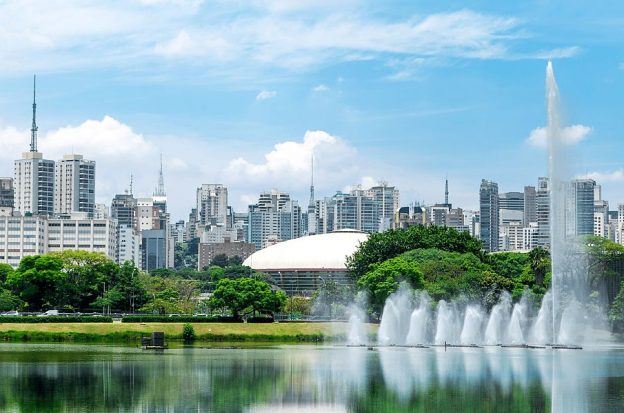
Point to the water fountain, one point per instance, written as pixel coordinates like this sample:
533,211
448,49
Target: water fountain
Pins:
560,319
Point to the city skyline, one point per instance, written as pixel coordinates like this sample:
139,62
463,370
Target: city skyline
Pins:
400,111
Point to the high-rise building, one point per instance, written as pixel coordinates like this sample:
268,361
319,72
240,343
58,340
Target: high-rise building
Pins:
530,205
273,219
543,212
601,214
100,211
387,200
124,210
7,196
511,207
74,185
488,200
212,203
356,210
129,246
34,176
154,249
584,206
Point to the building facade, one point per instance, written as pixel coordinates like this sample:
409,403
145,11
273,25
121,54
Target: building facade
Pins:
34,184
74,185
488,200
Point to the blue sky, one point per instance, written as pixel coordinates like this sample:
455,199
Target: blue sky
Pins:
242,92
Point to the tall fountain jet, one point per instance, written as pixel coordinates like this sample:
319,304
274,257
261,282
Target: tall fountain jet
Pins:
557,175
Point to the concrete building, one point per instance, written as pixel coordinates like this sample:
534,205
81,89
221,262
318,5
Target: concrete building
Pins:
74,185
488,200
409,216
34,184
300,266
543,212
7,195
22,236
212,204
124,210
33,176
530,205
129,246
529,236
387,199
230,249
584,190
511,237
154,249
100,211
356,211
274,218
78,232
148,214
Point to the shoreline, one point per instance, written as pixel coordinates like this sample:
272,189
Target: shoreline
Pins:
291,332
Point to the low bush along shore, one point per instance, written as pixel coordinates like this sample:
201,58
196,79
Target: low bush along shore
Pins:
131,332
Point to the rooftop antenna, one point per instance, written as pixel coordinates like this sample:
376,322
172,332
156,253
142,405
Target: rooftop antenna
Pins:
34,128
131,182
312,180
160,189
446,193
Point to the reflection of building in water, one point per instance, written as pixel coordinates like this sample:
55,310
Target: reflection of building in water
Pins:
301,265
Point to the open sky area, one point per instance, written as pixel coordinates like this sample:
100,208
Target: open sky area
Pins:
241,92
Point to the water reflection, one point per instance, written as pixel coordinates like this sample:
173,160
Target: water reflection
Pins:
48,378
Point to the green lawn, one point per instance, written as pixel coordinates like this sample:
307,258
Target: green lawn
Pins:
291,332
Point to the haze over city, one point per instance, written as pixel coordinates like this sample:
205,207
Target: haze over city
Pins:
242,93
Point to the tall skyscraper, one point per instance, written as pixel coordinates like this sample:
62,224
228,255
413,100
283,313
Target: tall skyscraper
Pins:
311,216
584,205
511,207
488,200
34,176
530,205
74,185
542,204
355,210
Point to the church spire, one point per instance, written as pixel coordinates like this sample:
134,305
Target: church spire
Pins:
34,128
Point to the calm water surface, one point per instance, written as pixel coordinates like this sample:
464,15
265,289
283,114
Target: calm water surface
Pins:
58,378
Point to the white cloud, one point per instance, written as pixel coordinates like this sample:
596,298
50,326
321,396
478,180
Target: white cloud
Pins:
287,166
613,176
320,88
70,34
106,138
571,135
266,94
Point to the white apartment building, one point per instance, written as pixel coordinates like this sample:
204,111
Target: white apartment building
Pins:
212,202
74,185
147,214
20,237
129,246
84,234
511,237
34,184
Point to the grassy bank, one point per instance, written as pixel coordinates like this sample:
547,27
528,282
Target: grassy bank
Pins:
131,332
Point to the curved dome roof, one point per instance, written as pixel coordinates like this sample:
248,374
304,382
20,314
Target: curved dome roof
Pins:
312,252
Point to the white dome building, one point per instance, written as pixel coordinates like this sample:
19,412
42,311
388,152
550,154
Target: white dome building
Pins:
300,265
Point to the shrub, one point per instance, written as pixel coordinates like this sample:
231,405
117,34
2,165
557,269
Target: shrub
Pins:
180,319
55,319
188,333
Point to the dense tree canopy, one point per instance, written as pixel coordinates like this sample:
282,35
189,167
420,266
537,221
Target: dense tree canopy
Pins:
247,295
385,245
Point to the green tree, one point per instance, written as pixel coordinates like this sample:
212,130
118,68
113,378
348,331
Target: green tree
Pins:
298,305
5,270
40,282
384,279
220,260
331,294
389,244
539,261
246,295
9,301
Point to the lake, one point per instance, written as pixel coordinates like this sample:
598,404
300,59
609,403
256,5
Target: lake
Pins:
306,378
